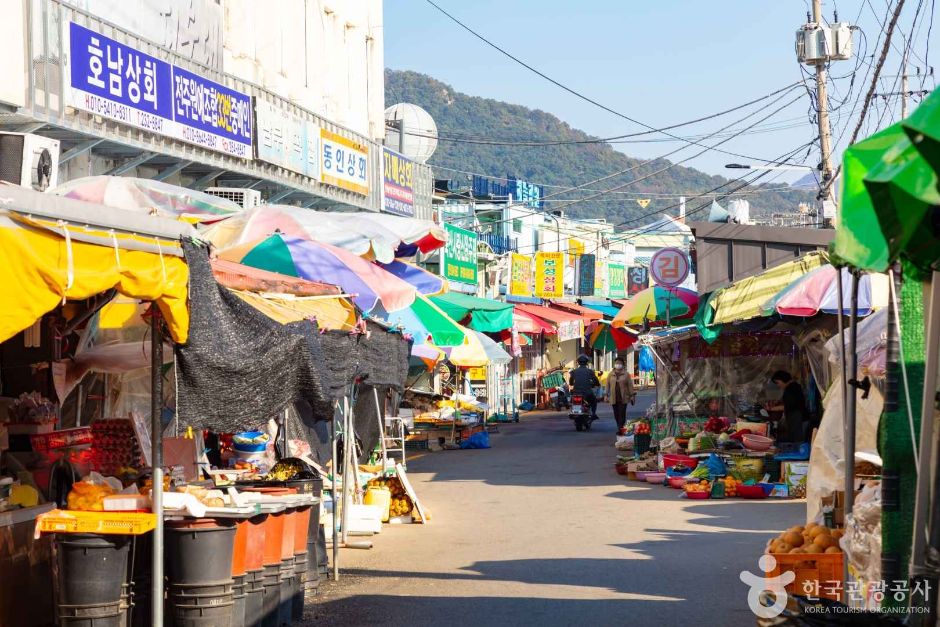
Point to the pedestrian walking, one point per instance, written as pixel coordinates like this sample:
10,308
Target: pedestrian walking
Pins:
620,392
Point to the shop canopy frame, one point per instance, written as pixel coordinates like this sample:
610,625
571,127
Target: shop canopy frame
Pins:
97,226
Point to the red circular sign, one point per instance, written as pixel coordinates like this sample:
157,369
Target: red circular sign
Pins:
669,267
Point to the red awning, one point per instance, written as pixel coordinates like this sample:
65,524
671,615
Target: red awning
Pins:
588,315
527,323
569,326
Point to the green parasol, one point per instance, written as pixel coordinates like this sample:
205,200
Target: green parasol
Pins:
888,197
923,129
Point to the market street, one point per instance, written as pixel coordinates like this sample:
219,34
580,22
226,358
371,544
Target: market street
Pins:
541,530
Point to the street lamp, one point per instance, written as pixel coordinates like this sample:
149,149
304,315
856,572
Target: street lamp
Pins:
745,166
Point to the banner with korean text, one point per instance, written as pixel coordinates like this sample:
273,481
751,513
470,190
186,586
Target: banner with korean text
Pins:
118,82
520,279
549,275
459,261
616,276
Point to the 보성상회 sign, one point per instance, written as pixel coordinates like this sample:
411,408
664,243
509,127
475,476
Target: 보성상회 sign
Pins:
459,262
118,82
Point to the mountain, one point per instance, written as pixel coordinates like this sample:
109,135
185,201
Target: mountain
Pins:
471,118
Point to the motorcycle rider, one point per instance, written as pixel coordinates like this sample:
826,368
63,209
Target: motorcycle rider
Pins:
583,380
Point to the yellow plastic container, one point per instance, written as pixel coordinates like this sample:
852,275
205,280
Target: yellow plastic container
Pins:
381,497
749,467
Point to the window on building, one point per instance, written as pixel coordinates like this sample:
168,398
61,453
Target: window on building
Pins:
517,225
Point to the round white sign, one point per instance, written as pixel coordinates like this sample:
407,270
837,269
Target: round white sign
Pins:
669,267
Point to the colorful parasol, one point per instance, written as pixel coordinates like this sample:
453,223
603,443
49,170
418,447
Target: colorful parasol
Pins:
817,291
425,322
657,304
889,195
373,236
425,282
151,197
427,353
603,336
470,354
368,284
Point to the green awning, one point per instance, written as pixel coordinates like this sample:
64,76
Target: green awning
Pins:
486,315
889,195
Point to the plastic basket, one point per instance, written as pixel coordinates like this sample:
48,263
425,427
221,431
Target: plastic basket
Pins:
114,523
817,574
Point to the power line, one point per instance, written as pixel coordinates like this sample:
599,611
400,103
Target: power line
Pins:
562,85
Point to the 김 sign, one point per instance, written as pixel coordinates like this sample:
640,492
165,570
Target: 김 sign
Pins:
669,267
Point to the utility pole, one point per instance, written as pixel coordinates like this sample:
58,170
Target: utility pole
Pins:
904,86
825,132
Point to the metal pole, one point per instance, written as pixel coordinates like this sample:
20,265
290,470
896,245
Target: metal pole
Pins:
926,563
853,396
335,499
156,461
822,105
904,85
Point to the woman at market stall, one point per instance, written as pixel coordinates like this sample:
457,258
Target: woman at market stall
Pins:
620,391
792,404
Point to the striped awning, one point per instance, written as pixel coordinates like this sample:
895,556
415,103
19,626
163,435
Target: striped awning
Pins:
743,299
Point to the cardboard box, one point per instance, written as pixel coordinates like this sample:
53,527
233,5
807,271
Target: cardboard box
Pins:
794,474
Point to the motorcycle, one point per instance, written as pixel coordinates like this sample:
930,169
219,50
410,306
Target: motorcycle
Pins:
580,413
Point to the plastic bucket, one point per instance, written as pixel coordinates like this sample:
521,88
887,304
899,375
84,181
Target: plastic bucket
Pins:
195,605
240,548
381,497
302,528
254,597
215,615
92,569
239,587
288,585
254,544
316,547
199,550
287,537
141,567
93,615
271,595
300,585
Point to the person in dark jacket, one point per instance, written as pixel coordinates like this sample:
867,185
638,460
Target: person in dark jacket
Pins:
793,405
583,380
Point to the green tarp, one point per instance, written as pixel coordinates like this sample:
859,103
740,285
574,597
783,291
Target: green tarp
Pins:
488,316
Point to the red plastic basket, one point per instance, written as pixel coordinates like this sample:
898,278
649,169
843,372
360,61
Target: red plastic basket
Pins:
818,575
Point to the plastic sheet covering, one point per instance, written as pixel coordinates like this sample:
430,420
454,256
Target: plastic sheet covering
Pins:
827,458
862,539
39,268
240,367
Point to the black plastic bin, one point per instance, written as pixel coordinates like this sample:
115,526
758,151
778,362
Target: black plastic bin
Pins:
198,559
140,585
239,589
92,570
254,598
271,595
288,586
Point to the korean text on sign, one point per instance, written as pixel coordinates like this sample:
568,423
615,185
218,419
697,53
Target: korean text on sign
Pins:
344,163
549,274
113,80
398,184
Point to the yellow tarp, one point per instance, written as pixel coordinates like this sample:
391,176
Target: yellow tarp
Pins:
333,313
743,300
34,277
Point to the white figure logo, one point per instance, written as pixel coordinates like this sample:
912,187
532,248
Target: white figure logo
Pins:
774,585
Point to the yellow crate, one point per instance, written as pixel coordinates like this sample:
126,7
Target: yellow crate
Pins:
114,523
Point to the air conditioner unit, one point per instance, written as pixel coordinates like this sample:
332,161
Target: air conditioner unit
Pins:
247,198
29,160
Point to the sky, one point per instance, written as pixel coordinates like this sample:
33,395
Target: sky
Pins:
659,62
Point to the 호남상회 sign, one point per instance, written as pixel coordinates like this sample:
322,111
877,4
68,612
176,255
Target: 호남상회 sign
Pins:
118,82
459,262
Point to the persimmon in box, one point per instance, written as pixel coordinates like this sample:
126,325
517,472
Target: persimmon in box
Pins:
812,553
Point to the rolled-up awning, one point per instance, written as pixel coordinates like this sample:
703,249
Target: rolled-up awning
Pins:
744,299
527,323
332,313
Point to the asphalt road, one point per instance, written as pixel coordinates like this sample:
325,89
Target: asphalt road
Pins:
540,530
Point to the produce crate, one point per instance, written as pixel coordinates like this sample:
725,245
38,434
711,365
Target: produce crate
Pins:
115,523
818,575
748,467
